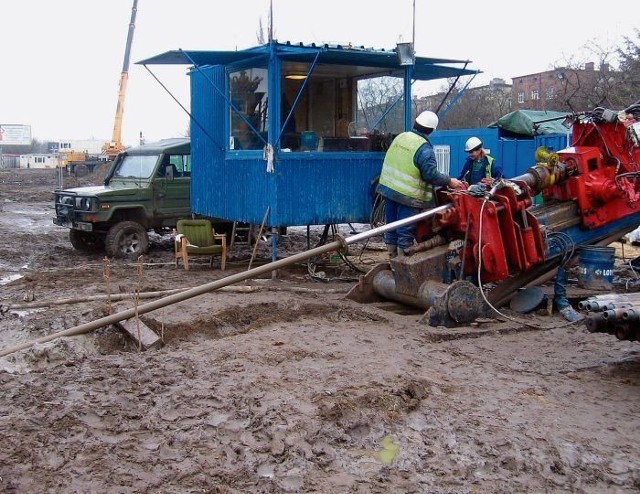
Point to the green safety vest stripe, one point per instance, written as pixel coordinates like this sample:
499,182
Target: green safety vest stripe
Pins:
487,171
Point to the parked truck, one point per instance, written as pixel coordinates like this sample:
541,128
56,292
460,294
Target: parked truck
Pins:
147,188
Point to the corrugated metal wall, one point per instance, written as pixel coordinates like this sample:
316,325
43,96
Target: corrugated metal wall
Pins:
9,161
323,188
515,155
232,189
456,139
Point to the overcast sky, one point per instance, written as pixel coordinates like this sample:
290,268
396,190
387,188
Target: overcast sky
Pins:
61,60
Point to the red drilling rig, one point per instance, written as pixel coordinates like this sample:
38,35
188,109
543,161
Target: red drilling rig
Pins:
493,233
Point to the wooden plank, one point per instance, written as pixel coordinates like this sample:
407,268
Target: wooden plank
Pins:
140,333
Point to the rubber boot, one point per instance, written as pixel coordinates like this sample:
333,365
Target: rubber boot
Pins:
392,250
570,314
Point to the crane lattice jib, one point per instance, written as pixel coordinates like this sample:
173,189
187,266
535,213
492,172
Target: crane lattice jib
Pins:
115,146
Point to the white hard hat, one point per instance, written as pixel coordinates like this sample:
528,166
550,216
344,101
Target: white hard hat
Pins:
427,119
472,143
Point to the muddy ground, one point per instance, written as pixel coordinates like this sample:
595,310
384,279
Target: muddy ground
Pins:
280,384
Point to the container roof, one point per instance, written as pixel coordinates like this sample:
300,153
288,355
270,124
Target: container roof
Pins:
367,60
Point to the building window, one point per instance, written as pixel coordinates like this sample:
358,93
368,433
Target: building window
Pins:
181,164
248,115
552,93
520,96
535,94
340,108
443,157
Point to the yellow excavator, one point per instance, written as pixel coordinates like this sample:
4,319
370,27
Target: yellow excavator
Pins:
114,146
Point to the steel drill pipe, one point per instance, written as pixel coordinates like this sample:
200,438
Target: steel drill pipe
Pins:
616,305
584,304
588,303
337,245
613,314
610,297
632,314
596,306
598,324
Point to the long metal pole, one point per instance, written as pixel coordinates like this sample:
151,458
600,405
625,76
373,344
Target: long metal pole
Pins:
413,34
229,280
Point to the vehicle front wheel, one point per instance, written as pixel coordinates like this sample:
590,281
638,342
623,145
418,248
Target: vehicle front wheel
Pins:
127,240
86,241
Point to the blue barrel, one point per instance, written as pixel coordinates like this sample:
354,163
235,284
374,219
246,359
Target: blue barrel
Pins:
595,267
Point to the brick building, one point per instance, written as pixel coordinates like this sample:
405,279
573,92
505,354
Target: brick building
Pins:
559,89
550,90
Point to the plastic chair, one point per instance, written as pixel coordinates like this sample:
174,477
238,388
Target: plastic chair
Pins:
196,237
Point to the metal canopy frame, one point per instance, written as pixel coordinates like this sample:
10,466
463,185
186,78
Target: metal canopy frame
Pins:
424,69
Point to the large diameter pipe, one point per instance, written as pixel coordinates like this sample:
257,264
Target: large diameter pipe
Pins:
540,177
229,280
459,301
384,284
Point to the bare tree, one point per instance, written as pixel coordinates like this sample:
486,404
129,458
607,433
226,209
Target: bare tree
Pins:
611,79
582,85
380,104
471,107
628,92
260,33
36,146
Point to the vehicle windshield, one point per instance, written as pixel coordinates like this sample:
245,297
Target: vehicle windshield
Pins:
136,166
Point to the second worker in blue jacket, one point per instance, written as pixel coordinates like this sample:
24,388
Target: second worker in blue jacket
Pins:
478,164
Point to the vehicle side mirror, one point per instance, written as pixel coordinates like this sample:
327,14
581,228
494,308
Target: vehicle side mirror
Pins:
168,172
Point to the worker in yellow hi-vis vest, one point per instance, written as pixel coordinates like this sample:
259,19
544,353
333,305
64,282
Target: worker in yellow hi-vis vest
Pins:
406,182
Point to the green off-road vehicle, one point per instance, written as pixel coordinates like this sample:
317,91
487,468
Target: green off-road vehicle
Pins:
147,188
